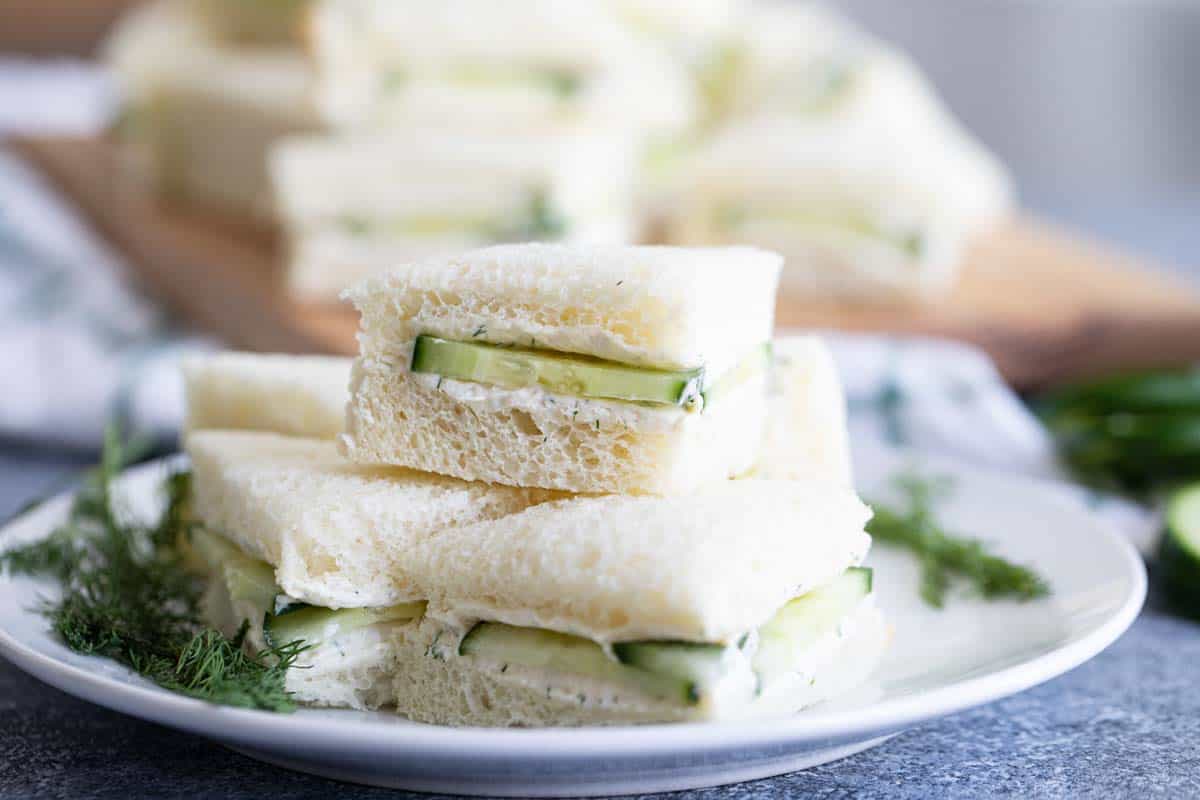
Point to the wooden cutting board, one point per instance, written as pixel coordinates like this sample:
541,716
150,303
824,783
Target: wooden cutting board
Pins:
1046,306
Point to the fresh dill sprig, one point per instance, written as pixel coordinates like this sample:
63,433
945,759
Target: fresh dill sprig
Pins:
126,595
944,556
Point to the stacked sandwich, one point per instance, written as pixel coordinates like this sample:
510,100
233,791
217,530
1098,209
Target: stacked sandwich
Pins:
591,121
377,131
575,485
833,149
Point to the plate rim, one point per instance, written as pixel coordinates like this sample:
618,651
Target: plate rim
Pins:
641,742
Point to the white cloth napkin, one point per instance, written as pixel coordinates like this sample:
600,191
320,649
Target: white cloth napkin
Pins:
79,347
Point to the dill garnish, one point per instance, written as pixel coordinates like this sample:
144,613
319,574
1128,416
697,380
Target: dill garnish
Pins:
944,556
126,595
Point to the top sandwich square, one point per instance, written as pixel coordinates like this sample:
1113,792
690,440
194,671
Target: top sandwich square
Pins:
588,369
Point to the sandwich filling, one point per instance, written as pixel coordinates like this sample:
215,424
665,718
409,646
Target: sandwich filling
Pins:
845,226
537,220
242,588
575,375
777,657
560,83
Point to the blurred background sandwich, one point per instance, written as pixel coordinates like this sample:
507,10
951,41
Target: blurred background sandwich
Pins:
778,124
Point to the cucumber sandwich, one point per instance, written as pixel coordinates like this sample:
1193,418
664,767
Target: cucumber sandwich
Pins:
466,603
305,396
354,205
407,64
836,152
202,115
586,369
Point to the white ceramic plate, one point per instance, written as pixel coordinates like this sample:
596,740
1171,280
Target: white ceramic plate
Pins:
940,662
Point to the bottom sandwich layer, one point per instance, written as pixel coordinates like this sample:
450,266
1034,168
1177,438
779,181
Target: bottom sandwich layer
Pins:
484,673
490,692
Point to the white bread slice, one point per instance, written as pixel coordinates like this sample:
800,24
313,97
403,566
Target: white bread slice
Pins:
479,176
652,306
408,63
814,192
413,32
790,57
338,535
202,116
703,567
806,436
830,134
326,259
355,205
615,567
664,307
693,23
527,437
290,395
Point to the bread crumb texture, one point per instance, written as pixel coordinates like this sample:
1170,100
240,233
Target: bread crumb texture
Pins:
706,566
665,307
338,535
286,394
548,441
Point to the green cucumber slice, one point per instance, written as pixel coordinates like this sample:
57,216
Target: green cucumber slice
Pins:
415,225
564,653
581,376
314,625
250,582
1179,559
679,672
698,664
806,619
909,241
212,549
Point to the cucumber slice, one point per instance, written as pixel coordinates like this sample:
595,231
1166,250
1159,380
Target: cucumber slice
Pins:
250,582
1179,559
581,376
563,653
908,240
679,672
247,579
314,625
800,623
212,549
416,225
698,664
